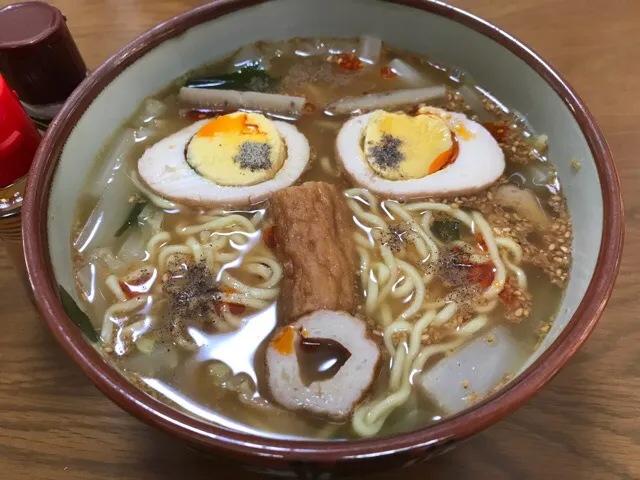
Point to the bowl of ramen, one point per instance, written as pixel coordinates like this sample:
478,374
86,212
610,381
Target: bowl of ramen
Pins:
335,243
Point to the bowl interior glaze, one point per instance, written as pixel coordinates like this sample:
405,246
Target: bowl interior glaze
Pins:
498,63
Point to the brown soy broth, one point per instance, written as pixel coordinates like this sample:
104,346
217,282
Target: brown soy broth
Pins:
320,359
186,382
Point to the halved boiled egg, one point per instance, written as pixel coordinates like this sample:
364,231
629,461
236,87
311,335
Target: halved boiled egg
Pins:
431,153
235,159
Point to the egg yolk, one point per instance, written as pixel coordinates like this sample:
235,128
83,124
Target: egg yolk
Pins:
283,343
403,147
238,149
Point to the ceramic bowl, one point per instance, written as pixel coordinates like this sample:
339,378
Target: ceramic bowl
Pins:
498,62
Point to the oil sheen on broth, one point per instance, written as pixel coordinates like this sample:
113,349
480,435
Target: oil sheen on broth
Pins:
322,238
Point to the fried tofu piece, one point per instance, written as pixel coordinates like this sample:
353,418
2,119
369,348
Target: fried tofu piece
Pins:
314,241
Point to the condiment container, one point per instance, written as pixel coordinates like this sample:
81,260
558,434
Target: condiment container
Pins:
39,58
19,140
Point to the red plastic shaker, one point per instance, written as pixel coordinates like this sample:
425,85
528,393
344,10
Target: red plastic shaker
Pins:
19,138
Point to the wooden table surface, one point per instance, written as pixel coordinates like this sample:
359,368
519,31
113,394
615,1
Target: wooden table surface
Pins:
55,425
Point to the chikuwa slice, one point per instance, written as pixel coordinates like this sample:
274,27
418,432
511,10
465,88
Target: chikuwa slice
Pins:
324,363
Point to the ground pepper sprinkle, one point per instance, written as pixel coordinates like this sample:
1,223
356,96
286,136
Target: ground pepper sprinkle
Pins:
387,154
397,236
254,156
193,294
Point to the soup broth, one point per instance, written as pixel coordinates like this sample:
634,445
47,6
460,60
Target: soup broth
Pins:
189,299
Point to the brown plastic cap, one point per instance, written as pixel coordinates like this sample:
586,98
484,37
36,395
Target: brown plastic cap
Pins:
38,57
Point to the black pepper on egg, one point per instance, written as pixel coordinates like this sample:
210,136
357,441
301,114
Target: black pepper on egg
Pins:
387,154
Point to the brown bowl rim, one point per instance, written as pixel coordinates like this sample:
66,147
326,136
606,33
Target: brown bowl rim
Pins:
264,450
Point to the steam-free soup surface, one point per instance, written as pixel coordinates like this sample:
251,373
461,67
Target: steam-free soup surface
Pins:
187,299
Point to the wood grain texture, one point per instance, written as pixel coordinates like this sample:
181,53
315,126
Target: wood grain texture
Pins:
54,425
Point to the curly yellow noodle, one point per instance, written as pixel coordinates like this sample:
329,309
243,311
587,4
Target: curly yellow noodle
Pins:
398,278
113,283
218,240
157,241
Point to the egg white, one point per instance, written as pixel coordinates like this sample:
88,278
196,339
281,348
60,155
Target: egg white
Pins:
479,163
164,168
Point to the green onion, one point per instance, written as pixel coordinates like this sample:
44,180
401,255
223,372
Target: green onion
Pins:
252,78
132,219
76,315
446,230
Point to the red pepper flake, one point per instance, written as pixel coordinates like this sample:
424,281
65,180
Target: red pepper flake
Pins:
387,73
269,237
217,304
350,62
498,130
236,308
137,286
481,243
414,111
309,107
127,291
482,274
253,128
199,114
